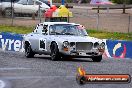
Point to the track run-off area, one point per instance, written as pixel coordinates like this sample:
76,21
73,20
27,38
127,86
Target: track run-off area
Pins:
17,71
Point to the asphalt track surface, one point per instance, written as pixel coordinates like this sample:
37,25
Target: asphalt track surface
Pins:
16,71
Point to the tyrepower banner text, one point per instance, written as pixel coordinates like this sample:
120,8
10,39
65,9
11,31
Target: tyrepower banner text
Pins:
11,42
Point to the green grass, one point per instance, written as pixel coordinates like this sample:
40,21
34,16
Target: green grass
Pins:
93,33
16,29
110,35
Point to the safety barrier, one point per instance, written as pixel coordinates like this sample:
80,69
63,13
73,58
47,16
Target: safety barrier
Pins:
11,42
118,49
114,48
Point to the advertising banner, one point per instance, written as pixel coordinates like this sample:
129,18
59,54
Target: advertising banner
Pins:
11,42
119,49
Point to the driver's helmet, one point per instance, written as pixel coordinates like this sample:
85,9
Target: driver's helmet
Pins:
81,27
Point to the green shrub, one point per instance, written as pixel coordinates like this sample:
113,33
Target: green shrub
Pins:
70,1
59,1
122,1
87,1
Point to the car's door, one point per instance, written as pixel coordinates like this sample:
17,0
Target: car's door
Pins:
42,38
19,5
39,39
30,7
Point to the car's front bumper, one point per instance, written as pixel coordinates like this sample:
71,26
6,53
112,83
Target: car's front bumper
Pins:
91,53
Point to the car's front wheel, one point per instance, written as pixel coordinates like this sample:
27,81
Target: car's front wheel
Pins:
97,58
28,51
55,55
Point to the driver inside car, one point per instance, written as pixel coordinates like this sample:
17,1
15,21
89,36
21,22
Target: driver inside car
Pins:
68,30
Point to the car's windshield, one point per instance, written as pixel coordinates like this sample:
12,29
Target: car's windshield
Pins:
82,31
66,29
44,1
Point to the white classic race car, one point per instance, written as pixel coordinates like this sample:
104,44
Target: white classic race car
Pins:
62,40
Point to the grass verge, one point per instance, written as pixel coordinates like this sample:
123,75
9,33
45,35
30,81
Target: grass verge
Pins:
93,33
110,35
16,29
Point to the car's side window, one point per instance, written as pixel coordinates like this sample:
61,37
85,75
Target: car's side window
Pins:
38,3
23,2
52,29
30,2
36,29
41,29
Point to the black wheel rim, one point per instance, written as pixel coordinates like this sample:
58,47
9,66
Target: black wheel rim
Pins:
27,51
53,52
8,13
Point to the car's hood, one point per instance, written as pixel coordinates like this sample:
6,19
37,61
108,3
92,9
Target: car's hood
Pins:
70,38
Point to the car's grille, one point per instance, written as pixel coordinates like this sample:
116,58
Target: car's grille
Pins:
84,46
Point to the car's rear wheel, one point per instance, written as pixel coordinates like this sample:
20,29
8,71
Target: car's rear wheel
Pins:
8,12
97,58
28,51
55,55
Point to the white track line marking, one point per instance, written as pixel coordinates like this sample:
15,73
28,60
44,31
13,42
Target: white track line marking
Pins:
37,77
13,68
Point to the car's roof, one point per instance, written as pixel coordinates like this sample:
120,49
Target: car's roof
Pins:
51,23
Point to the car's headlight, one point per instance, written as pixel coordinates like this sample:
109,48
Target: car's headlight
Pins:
65,43
102,45
96,45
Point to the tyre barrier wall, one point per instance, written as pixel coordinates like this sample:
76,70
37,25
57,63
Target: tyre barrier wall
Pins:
118,49
114,48
11,42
